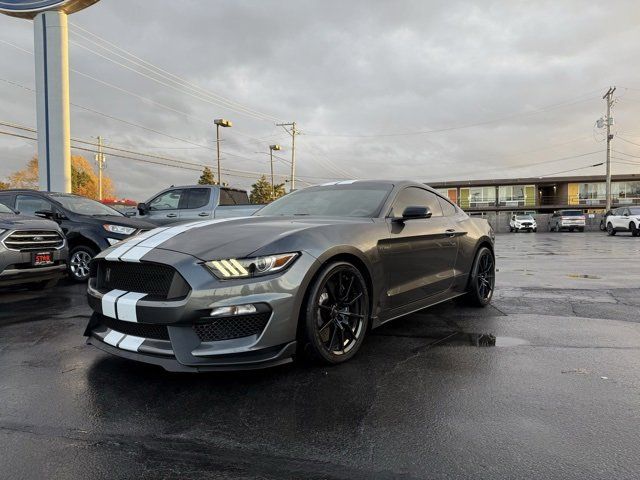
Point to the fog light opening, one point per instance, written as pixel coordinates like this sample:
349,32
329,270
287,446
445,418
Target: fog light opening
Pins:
233,310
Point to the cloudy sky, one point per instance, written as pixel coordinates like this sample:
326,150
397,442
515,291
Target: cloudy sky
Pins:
426,90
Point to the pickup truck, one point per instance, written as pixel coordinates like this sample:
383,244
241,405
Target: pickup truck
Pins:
196,202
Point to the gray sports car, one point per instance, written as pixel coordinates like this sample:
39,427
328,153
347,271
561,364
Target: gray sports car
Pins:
310,273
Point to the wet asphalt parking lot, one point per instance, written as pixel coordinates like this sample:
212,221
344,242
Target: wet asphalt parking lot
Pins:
428,396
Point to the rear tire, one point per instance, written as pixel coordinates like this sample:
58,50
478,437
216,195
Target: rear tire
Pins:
482,279
610,230
336,315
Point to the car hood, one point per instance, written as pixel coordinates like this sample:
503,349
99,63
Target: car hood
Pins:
10,221
125,221
240,237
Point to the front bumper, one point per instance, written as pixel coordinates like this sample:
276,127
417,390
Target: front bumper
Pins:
525,227
183,349
16,267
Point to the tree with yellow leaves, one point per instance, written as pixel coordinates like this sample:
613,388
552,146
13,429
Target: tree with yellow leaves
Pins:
84,181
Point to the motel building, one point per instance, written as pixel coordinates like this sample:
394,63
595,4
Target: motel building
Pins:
497,200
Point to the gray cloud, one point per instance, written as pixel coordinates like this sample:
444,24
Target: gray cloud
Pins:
358,67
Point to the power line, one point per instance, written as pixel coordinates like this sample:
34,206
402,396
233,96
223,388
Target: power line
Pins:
579,99
162,72
196,93
572,170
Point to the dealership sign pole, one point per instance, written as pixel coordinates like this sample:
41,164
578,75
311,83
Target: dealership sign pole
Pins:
52,84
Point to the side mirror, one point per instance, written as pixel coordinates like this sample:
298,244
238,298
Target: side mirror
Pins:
45,214
414,213
143,208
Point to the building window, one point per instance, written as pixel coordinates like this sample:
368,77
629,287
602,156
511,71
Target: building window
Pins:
475,197
517,195
626,192
450,193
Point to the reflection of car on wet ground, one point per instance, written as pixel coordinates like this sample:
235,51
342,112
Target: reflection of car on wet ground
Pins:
312,272
567,220
519,223
624,219
32,251
88,225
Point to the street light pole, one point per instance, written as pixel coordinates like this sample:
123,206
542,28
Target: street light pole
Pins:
220,122
271,149
102,164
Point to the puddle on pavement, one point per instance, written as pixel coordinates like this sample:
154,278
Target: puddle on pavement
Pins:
590,277
482,340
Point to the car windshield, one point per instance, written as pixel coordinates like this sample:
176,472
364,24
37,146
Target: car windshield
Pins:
571,213
635,211
5,209
331,201
524,217
85,206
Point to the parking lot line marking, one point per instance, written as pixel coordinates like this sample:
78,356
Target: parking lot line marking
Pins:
113,337
109,302
127,306
131,343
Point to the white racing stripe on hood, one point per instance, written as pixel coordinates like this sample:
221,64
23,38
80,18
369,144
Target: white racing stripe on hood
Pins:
142,248
115,254
131,343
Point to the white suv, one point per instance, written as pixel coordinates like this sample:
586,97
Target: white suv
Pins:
624,219
522,222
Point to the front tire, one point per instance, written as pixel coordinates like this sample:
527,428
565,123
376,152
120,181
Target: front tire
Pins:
336,317
79,258
482,279
610,230
634,230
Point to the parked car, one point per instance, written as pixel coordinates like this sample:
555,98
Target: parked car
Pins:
568,220
624,219
518,223
309,273
33,251
603,221
88,225
196,202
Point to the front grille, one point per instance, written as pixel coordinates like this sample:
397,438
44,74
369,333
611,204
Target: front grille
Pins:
145,330
30,240
156,280
232,327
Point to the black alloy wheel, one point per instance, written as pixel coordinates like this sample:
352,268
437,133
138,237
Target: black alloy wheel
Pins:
610,230
337,314
483,278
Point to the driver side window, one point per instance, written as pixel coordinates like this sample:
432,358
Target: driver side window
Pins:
416,197
167,201
28,205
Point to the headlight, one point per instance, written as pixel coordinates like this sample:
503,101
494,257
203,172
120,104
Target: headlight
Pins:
250,267
118,229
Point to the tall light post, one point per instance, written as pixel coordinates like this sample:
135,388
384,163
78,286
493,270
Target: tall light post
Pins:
220,122
271,149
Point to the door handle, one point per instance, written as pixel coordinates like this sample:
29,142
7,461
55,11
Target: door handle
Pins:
203,214
451,232
171,215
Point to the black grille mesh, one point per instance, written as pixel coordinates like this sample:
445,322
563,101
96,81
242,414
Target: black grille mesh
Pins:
232,327
146,330
150,278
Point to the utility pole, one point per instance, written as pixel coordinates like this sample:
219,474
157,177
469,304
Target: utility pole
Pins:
608,97
102,164
220,122
293,132
271,149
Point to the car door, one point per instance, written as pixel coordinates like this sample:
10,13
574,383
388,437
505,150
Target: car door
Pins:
624,218
419,256
165,207
198,204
